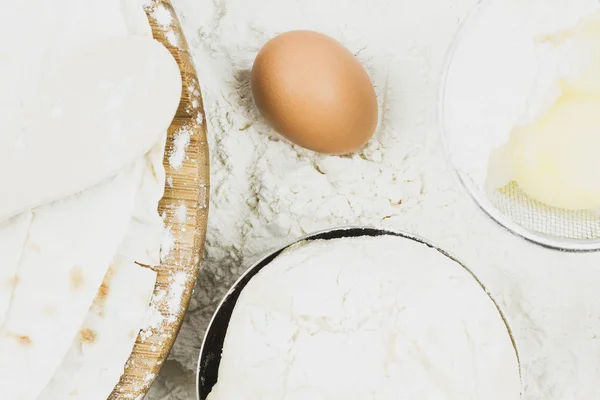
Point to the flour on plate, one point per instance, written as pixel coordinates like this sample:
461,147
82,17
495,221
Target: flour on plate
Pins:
366,318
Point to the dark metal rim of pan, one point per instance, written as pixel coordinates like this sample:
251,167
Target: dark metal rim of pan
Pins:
212,346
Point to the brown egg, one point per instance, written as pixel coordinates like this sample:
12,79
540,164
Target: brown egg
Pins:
314,92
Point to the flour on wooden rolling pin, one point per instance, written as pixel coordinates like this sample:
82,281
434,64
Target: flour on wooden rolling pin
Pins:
162,16
180,145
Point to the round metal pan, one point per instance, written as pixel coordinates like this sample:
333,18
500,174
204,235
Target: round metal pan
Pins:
212,347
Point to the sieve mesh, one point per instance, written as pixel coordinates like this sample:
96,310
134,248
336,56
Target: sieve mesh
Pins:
542,219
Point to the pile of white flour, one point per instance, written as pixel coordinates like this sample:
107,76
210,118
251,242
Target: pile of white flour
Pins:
366,329
266,192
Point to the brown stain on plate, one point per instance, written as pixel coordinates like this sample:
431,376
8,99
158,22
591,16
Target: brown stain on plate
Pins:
22,340
103,291
87,336
25,340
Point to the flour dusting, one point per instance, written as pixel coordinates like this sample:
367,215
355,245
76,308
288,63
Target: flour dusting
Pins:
167,243
177,287
162,16
181,213
367,317
172,38
266,192
160,320
180,145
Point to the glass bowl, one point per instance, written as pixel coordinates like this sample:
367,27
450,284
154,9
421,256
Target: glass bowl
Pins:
482,96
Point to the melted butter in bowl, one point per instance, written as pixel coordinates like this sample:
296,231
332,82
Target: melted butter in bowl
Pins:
554,157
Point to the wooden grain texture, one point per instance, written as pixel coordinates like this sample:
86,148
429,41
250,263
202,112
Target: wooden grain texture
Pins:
188,186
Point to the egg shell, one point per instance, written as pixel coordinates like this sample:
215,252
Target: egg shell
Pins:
314,92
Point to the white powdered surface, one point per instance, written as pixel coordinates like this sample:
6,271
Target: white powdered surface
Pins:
265,192
366,329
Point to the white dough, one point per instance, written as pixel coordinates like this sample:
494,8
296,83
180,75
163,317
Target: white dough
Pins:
96,359
12,239
366,319
136,18
41,34
87,96
145,231
69,248
90,370
131,89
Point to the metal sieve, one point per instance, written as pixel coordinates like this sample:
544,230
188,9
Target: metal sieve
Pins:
509,207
